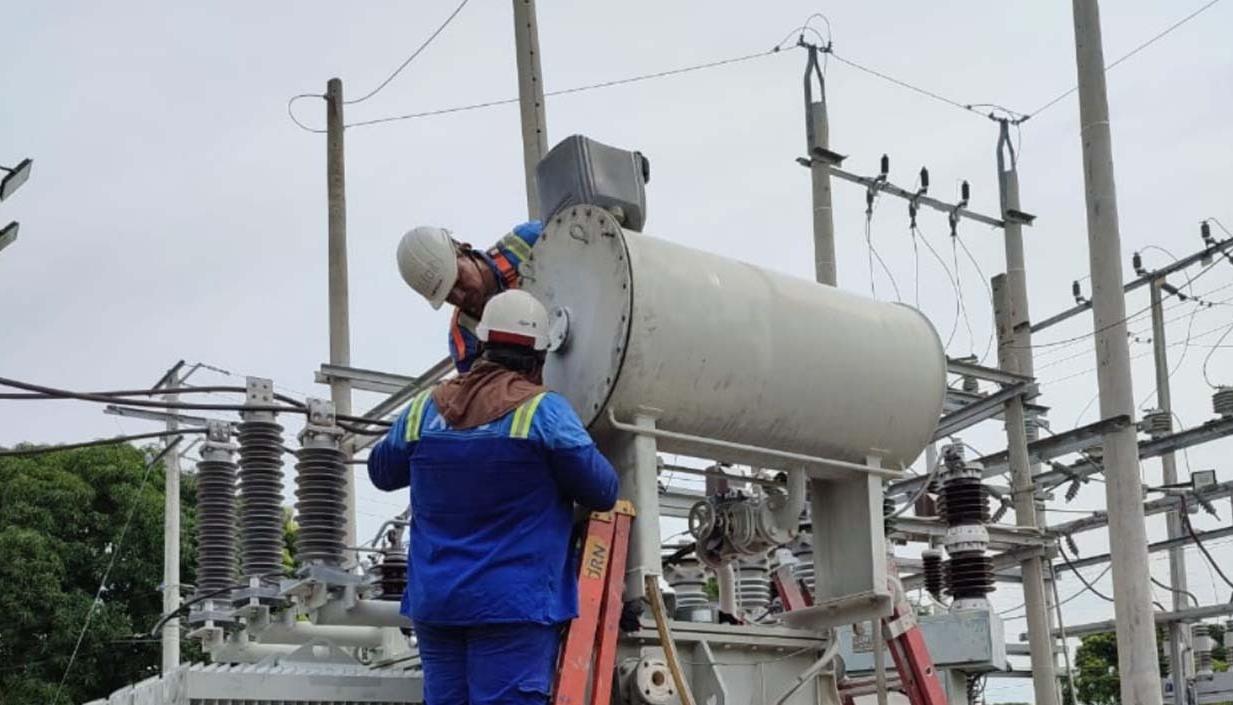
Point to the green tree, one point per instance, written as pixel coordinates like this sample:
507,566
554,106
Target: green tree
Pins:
61,515
1096,675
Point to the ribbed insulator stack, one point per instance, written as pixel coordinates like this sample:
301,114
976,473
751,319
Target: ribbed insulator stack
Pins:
964,500
261,494
1203,643
687,578
216,512
931,567
1157,422
802,550
393,573
971,384
1222,401
964,505
888,509
753,584
321,492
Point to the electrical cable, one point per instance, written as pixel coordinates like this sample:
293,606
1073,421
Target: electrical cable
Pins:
873,253
564,91
19,452
120,394
115,554
988,290
1124,319
949,277
1086,584
1174,590
1069,599
1199,542
54,393
411,58
1208,358
1124,57
199,599
967,321
904,84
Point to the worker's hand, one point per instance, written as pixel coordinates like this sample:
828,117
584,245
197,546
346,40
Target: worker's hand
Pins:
631,611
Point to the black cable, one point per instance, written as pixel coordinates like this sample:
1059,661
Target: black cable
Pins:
564,91
989,291
215,389
1124,57
1199,542
201,598
111,563
411,58
1124,319
963,306
1172,589
54,393
101,442
904,84
949,277
1062,551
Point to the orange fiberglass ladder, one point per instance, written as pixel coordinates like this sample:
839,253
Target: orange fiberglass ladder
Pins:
591,641
917,676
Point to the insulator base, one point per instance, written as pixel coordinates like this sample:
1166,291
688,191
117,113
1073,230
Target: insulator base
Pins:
969,575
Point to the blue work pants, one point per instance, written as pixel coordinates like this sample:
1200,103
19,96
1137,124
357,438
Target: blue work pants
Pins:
495,664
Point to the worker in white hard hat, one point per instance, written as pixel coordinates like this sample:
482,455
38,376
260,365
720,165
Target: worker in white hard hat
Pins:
495,464
443,270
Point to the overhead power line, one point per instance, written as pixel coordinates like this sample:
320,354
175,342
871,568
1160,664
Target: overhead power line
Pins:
298,408
17,452
1124,57
115,554
567,91
411,58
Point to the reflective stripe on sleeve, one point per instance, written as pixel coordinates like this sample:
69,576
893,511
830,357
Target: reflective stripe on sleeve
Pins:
523,415
416,415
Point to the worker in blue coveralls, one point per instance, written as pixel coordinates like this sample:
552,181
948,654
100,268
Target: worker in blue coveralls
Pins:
495,463
444,270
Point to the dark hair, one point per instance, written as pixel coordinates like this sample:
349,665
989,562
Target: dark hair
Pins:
518,358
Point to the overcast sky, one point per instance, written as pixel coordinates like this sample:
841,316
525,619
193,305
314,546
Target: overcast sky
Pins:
176,212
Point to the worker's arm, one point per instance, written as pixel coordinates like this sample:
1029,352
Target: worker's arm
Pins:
513,249
389,462
582,473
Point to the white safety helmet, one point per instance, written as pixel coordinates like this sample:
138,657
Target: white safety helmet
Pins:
428,262
514,317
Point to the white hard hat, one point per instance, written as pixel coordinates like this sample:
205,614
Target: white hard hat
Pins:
514,317
428,262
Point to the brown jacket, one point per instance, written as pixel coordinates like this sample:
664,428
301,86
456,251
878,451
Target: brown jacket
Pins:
483,394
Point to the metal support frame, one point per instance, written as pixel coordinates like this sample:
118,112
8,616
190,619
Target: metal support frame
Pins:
1145,280
1155,506
364,380
988,407
1194,614
883,186
1155,547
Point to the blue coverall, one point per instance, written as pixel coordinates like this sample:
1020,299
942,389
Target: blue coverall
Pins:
503,259
491,576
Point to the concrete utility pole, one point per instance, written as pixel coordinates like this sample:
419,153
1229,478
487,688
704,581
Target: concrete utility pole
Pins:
1040,639
530,97
340,316
1180,654
817,136
171,532
1015,355
1132,597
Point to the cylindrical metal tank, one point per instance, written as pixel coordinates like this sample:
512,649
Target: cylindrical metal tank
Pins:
719,348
